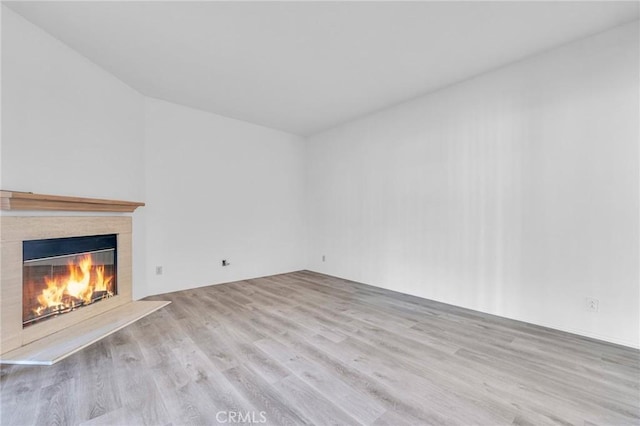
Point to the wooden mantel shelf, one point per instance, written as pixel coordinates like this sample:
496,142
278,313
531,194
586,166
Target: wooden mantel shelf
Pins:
13,200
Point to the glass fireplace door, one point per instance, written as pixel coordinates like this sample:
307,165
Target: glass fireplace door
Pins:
64,274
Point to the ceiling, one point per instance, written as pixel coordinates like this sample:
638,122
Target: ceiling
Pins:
303,67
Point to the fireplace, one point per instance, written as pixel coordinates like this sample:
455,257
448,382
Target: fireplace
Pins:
38,252
65,282
61,275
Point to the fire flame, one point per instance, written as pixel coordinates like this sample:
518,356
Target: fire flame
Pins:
78,284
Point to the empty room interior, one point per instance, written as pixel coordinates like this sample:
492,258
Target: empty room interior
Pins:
297,213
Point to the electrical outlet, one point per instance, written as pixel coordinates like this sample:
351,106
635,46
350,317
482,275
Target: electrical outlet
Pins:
324,258
225,262
158,270
592,304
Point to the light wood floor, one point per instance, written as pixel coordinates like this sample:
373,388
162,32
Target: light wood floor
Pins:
305,348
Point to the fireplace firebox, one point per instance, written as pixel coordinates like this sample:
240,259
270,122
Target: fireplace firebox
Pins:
61,275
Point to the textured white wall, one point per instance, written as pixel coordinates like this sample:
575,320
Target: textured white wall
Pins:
68,126
219,188
513,193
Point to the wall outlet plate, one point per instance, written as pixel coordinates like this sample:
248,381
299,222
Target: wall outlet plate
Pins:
592,304
158,270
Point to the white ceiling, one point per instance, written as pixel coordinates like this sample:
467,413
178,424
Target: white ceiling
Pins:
304,67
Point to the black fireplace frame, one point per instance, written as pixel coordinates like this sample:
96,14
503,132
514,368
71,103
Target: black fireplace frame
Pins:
53,247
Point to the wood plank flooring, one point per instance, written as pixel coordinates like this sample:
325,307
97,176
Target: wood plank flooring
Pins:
305,348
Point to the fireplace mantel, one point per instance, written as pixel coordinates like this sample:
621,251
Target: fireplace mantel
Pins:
15,200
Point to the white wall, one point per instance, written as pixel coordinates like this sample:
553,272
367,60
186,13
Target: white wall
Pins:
68,126
71,128
513,193
219,188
